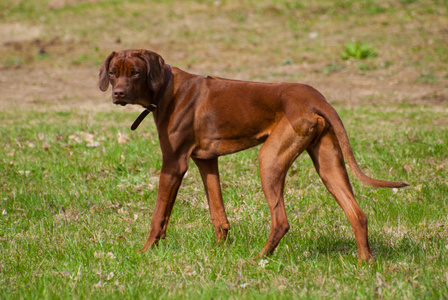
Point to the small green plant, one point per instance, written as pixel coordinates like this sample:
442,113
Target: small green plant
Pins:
332,69
14,61
42,56
364,67
427,78
287,61
357,50
82,59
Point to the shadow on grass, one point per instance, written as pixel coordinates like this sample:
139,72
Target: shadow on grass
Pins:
330,245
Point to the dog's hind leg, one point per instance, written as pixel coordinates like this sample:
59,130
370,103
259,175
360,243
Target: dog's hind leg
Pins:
279,151
329,162
210,176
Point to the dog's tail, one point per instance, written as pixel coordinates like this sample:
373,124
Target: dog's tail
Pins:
324,109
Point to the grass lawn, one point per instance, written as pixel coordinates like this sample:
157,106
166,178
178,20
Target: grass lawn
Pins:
78,187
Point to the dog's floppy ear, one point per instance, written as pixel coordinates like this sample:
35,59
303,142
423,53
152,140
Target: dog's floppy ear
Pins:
103,82
155,68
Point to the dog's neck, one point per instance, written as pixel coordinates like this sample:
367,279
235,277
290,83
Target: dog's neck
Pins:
162,90
153,106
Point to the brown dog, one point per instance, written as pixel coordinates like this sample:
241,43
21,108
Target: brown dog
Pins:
205,117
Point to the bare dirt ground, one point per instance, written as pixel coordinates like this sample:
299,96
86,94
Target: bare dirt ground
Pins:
70,88
76,88
52,84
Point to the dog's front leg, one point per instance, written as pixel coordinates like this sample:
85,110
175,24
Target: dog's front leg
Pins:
170,179
210,177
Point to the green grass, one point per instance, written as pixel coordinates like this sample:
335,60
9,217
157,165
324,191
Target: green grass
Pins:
77,201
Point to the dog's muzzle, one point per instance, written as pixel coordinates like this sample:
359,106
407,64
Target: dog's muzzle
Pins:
122,103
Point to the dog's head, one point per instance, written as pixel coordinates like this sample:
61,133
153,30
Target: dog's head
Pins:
135,76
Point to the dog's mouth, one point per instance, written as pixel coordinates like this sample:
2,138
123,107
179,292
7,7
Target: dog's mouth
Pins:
122,103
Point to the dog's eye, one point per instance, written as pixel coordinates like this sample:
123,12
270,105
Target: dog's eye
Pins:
135,73
111,73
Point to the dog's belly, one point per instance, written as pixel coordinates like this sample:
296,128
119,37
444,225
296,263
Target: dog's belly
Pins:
213,147
225,134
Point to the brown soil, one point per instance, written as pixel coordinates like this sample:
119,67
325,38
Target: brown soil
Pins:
46,84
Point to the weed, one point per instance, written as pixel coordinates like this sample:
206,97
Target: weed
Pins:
358,50
43,56
14,61
83,58
286,62
332,69
366,67
427,78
